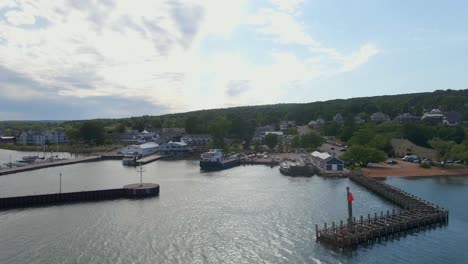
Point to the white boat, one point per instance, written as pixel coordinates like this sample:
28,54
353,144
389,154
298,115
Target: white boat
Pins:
130,158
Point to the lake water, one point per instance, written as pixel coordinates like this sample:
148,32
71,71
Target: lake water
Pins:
248,214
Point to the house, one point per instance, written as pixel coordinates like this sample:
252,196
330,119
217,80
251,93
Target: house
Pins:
174,149
286,124
7,140
171,134
338,118
41,137
379,117
316,123
303,130
452,118
435,116
403,147
129,136
326,162
407,118
358,120
197,140
145,149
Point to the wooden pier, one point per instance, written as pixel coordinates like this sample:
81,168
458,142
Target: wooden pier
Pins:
416,214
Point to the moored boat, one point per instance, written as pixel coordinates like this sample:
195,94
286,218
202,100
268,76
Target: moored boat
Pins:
215,160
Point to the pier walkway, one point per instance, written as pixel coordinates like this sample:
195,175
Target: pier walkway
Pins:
149,159
416,214
48,164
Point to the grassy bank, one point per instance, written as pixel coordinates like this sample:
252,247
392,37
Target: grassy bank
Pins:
76,148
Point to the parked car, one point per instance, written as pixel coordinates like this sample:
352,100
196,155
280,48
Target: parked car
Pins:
409,158
417,160
428,161
391,162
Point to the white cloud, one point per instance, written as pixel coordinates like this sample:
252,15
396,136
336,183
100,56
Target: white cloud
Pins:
154,50
19,18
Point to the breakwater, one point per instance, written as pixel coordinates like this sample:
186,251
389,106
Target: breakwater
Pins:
417,214
128,191
48,165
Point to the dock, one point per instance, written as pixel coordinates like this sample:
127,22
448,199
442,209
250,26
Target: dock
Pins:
38,166
130,191
149,159
415,214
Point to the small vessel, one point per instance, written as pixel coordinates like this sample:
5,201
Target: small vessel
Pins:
19,163
130,158
215,160
296,168
31,159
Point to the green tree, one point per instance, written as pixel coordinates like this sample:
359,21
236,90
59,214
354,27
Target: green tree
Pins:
363,155
271,140
93,132
443,148
311,141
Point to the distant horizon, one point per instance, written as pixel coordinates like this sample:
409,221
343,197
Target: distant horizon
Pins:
81,60
208,109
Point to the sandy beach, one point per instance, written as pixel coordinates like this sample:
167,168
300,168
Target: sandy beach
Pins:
408,169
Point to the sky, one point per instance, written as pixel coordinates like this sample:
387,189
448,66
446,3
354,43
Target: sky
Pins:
83,59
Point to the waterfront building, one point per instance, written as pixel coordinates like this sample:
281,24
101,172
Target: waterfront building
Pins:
326,162
174,149
144,149
41,137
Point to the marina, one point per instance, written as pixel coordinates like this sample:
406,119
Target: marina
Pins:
264,210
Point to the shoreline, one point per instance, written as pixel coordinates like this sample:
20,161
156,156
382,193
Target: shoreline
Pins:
410,170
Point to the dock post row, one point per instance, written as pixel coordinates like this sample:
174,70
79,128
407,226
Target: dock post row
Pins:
416,214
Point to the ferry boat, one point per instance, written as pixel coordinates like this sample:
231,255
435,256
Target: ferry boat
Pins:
215,160
130,158
296,168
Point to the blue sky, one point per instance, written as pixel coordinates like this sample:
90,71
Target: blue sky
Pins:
80,59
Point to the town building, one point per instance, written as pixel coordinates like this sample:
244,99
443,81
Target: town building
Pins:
403,147
174,149
379,117
144,149
326,162
284,125
407,118
358,120
303,130
41,137
435,116
7,139
338,118
197,140
452,118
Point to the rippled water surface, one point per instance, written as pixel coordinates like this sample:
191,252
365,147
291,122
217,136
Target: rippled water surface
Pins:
249,214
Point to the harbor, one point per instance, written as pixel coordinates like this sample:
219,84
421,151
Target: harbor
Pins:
263,209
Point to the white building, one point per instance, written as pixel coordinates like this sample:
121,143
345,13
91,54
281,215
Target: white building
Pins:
174,149
145,149
41,137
